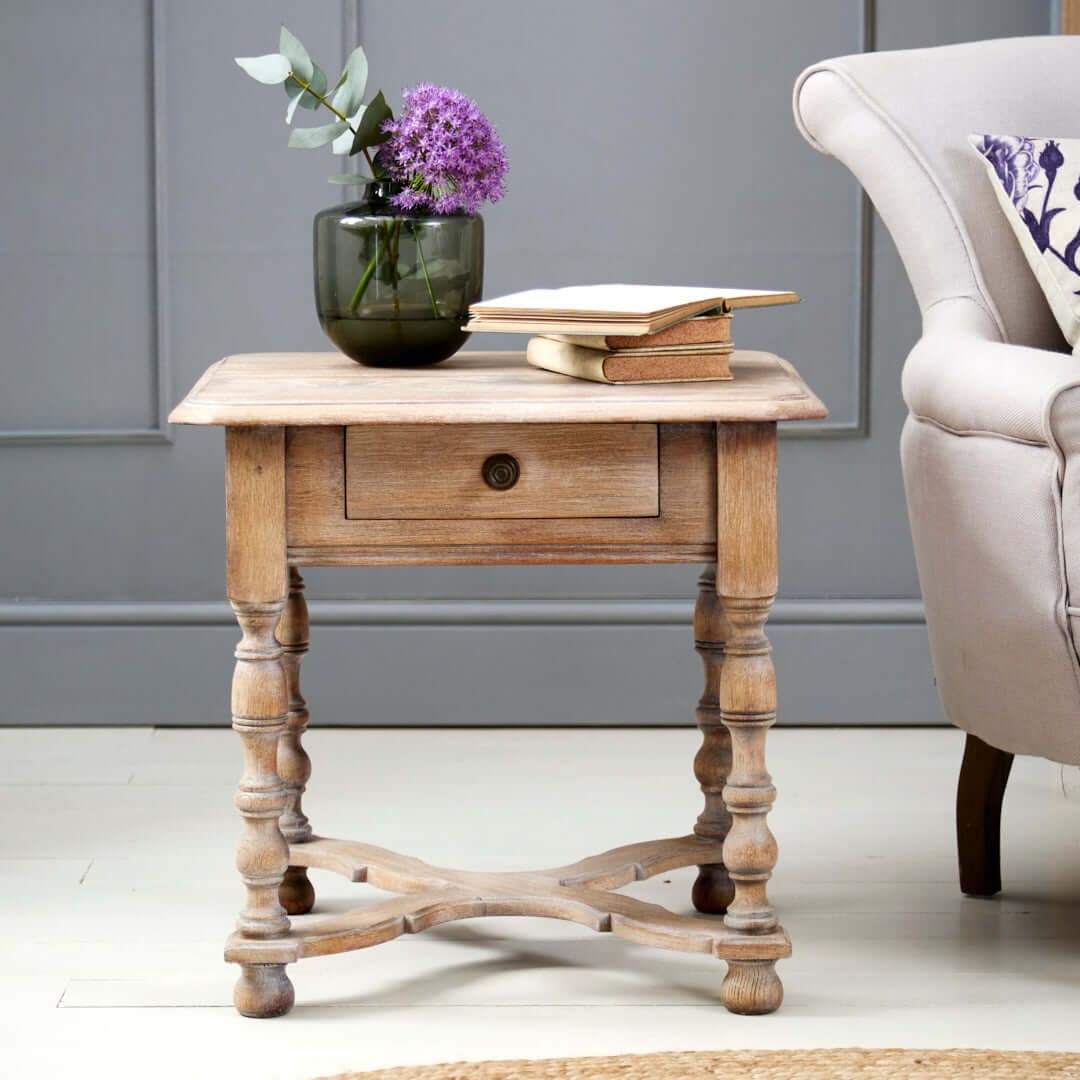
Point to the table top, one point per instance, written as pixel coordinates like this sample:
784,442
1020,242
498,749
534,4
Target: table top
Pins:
323,389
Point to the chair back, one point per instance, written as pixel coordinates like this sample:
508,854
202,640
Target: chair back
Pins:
900,120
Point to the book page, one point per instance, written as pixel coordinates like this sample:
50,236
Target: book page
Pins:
613,299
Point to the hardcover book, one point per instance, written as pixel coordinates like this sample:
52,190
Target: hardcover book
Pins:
671,364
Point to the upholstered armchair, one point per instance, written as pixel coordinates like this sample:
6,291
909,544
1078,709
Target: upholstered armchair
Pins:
991,446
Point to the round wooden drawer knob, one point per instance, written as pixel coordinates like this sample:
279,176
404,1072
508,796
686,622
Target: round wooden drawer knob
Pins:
501,471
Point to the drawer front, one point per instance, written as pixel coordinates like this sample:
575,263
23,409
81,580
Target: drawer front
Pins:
488,471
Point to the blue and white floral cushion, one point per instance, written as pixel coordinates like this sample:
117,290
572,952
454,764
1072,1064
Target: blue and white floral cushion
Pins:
1037,182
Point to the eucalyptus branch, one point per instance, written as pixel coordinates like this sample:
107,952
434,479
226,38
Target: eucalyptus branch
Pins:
340,116
315,94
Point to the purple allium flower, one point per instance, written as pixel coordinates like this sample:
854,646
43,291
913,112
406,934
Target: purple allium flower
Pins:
444,149
1013,159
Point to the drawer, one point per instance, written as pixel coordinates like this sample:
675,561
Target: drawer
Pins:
486,471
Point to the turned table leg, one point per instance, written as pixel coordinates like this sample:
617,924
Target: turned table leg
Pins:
747,582
713,890
293,764
255,539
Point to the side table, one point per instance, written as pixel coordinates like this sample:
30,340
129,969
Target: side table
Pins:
484,460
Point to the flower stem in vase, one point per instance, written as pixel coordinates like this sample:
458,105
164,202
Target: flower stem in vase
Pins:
395,246
358,295
423,266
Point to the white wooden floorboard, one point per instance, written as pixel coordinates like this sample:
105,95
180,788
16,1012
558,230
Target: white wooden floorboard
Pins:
117,889
59,755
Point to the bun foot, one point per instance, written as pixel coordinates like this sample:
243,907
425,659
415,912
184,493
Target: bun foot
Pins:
263,990
296,893
713,890
752,987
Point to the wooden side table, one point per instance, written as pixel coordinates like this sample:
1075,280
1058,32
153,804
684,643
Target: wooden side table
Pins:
484,460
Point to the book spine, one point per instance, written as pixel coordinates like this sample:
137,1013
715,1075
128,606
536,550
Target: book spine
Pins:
563,359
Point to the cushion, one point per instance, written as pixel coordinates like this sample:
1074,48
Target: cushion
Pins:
1037,183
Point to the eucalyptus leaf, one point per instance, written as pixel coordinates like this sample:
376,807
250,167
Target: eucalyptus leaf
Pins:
299,96
343,143
345,179
309,138
318,86
295,92
299,61
368,131
352,84
269,69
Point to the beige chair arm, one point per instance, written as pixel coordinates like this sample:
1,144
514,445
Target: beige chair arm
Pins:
968,385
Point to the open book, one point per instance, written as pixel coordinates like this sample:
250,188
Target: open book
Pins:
611,309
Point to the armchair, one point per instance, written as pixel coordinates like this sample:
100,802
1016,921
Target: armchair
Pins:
991,446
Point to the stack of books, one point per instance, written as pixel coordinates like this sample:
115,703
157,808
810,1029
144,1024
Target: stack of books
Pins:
625,333
695,349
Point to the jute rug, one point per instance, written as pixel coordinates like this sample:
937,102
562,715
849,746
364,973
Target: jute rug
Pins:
758,1065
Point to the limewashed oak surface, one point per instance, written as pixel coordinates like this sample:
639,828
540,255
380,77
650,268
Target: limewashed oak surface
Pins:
474,388
324,465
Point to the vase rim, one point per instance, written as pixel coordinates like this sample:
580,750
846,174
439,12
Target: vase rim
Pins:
362,209
385,182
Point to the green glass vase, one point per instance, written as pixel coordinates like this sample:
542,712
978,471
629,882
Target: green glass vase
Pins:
393,287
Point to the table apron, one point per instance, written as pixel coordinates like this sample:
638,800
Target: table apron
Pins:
319,532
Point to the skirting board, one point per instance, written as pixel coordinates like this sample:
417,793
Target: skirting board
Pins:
459,663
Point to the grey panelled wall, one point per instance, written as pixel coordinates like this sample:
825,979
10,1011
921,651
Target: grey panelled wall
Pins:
154,220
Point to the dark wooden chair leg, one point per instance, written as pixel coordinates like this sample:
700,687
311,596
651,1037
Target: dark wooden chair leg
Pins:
983,776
